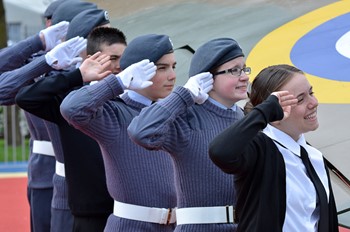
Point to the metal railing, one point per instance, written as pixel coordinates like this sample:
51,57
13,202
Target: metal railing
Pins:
14,133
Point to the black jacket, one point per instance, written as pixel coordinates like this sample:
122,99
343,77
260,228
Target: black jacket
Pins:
259,169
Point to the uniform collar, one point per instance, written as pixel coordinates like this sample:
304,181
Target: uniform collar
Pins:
139,98
283,138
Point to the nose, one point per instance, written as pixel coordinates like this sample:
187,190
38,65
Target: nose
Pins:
116,70
313,102
115,67
172,75
244,77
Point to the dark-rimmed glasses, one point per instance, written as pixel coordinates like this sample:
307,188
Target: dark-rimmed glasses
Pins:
235,71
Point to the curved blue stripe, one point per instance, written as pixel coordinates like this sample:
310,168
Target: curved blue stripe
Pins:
315,52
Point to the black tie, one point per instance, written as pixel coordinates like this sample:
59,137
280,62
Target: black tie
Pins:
323,225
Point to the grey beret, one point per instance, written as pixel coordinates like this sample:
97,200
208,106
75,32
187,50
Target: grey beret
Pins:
82,24
213,54
52,7
150,46
69,9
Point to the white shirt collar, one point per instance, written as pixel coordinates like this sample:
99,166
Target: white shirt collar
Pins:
285,139
234,107
139,98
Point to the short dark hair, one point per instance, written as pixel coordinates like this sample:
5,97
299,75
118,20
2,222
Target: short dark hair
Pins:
104,36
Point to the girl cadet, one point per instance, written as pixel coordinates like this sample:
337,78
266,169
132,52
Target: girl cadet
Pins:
140,181
186,121
278,188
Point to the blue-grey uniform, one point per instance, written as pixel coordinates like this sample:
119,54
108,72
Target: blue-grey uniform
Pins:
15,73
135,177
61,216
184,129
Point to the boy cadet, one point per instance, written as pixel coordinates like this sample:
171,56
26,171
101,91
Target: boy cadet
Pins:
140,181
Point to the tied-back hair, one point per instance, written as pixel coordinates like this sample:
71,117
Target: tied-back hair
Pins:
269,80
104,36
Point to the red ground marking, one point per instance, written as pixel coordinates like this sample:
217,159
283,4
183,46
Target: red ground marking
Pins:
343,230
14,207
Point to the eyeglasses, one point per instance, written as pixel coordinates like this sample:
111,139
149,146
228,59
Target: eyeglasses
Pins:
235,71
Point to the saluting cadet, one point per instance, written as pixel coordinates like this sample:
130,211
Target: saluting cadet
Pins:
185,122
283,183
141,182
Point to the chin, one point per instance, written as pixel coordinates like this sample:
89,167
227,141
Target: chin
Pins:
314,127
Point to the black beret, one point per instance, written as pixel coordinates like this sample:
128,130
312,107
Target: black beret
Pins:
150,46
52,7
213,54
82,24
69,9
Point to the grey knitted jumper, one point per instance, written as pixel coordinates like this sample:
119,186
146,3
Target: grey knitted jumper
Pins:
184,129
134,175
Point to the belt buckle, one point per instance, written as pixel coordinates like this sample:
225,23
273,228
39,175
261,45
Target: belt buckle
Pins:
169,216
166,216
228,219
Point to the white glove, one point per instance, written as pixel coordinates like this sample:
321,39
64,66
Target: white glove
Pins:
65,54
54,34
138,75
199,86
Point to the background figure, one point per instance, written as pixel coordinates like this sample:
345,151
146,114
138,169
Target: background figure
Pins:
270,158
140,181
49,11
67,10
185,122
89,199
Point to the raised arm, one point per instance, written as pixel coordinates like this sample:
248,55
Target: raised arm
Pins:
160,126
88,109
44,97
236,148
164,125
62,56
16,56
12,81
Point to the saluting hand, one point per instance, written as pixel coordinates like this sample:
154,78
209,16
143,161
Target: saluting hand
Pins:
66,54
138,75
199,86
95,67
54,35
286,101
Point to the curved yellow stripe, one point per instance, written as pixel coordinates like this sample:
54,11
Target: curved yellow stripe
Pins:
275,48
